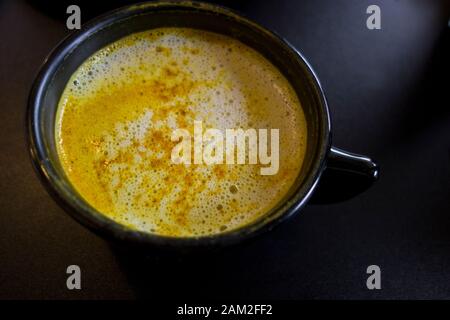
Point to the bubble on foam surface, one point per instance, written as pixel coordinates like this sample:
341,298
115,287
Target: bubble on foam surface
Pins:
118,111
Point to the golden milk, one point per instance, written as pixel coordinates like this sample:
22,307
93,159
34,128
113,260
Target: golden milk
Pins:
119,109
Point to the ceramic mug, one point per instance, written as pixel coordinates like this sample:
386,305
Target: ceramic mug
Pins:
328,173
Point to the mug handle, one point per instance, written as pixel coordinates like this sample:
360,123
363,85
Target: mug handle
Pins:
346,175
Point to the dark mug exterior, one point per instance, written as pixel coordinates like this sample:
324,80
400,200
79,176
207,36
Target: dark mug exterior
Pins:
328,174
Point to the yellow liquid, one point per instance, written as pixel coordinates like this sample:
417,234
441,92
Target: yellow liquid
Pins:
119,109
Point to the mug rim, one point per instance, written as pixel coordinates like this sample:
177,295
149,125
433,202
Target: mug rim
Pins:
100,223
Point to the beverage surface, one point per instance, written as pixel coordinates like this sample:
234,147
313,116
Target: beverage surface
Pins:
118,112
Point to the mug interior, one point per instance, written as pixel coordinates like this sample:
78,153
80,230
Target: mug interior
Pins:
73,51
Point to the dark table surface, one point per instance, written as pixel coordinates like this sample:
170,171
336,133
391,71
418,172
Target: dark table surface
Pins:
388,91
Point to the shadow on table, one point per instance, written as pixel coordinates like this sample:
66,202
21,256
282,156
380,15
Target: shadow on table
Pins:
228,273
431,93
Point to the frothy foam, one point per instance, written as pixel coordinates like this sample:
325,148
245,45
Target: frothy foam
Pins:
117,113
